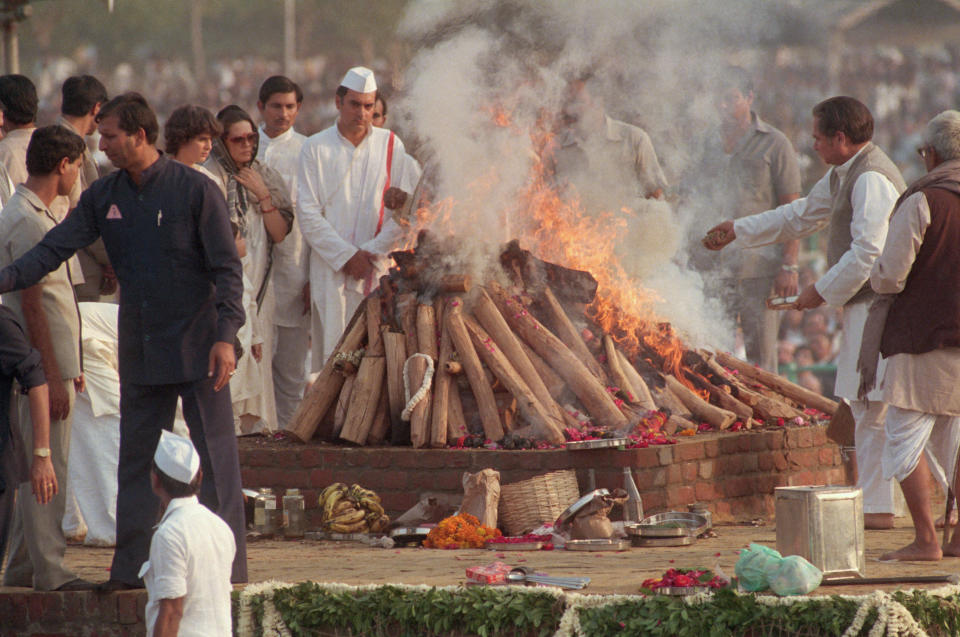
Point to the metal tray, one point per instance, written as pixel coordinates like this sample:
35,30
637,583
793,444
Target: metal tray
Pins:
597,545
571,510
651,542
602,443
693,524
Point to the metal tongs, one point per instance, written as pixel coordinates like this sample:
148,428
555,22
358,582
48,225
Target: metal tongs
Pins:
521,575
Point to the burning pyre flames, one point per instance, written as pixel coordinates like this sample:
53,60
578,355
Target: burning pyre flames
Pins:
563,233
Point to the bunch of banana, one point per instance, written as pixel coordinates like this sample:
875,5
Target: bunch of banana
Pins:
351,509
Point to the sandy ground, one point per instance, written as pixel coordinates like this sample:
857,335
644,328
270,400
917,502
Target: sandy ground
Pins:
610,572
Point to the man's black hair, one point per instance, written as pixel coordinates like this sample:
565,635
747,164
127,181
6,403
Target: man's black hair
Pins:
279,84
175,488
132,113
80,94
845,115
48,146
18,99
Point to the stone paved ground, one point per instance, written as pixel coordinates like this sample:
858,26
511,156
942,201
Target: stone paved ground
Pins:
355,563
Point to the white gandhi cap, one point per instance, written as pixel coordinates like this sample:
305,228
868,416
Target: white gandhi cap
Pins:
360,79
177,457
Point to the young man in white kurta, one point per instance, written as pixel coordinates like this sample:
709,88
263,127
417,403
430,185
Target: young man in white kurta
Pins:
872,198
279,149
340,190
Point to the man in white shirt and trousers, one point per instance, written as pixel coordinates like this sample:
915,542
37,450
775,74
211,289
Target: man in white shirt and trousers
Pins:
855,198
347,173
191,553
279,103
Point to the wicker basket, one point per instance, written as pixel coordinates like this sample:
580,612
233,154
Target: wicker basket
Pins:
527,504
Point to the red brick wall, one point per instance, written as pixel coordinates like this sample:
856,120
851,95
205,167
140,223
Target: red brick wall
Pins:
75,614
735,473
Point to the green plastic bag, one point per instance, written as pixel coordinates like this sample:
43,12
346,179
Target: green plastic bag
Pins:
796,576
755,566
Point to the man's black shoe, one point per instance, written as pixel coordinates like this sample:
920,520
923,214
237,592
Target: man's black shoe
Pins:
113,585
77,585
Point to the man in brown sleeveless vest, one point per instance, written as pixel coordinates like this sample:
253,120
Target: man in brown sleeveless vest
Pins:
921,335
855,198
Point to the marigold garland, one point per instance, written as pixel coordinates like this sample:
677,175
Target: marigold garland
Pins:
462,531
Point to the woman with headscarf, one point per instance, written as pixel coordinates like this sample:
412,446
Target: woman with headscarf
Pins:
262,212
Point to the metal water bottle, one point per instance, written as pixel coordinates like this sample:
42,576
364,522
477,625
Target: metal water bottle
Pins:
294,516
633,507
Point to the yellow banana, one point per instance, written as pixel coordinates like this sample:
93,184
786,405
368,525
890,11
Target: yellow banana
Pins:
356,527
379,524
330,501
354,515
342,506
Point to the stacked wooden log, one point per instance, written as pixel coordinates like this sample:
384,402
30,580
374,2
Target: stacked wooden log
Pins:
428,358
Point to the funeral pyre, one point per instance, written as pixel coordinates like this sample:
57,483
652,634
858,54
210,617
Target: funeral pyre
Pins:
533,353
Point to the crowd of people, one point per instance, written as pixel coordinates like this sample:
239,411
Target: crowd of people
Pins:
238,252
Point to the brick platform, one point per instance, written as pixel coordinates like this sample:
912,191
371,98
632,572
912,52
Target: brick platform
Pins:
75,614
735,473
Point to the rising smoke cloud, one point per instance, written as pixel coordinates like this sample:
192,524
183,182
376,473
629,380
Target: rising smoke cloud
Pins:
651,63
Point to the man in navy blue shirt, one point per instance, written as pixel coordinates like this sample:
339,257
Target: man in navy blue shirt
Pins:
167,233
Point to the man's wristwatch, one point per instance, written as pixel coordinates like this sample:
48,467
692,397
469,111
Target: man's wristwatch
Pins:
42,452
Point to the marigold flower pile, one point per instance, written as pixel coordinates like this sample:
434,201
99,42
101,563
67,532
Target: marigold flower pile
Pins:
462,531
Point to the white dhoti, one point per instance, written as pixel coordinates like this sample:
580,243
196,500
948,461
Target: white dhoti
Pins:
869,433
910,433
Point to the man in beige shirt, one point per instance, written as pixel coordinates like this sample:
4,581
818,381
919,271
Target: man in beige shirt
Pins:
48,311
18,100
82,97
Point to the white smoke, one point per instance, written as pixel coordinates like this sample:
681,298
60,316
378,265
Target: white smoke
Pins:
650,62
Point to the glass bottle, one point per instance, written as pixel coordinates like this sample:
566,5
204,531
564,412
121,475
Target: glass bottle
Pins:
266,520
294,516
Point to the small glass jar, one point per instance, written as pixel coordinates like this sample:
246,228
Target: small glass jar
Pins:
702,509
294,515
266,516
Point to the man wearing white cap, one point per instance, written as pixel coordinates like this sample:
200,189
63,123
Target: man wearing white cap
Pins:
346,173
191,553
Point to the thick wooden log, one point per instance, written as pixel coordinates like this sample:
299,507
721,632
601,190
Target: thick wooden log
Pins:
591,392
677,423
497,328
456,420
420,418
716,416
764,407
644,398
364,399
441,392
381,421
574,286
727,401
617,374
343,401
547,426
374,315
551,379
326,388
407,311
779,384
567,332
486,403
395,351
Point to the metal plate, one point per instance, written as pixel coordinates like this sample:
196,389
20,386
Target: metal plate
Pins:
690,524
597,545
602,443
650,542
571,511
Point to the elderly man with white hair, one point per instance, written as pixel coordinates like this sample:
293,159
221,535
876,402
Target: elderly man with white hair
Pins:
919,274
349,173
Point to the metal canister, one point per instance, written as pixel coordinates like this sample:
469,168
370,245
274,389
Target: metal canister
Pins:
266,515
294,516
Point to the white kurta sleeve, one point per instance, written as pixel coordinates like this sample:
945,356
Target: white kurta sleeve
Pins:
907,228
797,219
873,198
405,173
316,230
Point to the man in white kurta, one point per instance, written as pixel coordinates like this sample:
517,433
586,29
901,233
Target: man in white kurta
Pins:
341,187
921,334
872,193
279,103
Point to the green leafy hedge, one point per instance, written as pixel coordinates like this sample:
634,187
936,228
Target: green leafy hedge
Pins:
417,611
